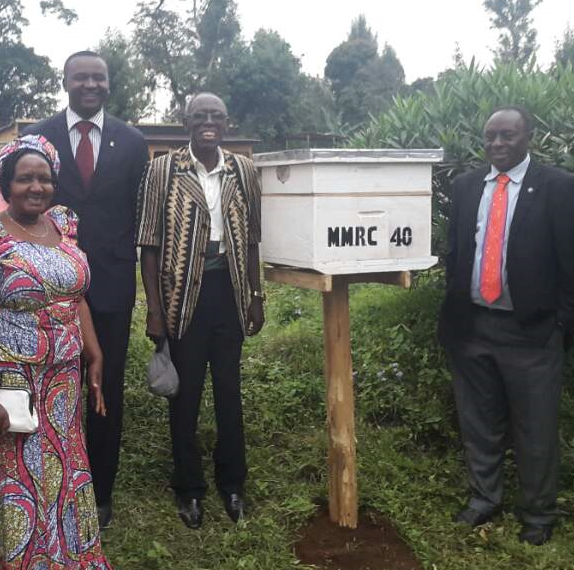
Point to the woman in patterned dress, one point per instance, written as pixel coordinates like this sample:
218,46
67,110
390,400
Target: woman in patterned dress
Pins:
48,518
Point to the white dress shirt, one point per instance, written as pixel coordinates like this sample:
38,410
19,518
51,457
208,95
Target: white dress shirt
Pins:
211,184
95,135
513,188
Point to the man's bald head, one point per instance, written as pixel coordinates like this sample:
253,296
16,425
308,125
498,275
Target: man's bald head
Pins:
204,97
206,121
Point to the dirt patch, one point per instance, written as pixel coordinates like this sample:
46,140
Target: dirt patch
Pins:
373,545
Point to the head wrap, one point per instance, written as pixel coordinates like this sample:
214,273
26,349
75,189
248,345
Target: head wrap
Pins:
37,143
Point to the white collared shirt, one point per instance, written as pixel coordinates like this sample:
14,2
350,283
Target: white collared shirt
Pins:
516,176
211,184
95,135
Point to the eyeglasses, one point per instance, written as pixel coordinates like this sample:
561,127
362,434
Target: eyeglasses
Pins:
203,117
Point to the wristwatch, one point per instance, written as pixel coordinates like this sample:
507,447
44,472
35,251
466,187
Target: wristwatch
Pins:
259,294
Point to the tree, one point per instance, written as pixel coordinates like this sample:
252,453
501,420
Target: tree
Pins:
131,85
315,111
363,82
517,37
266,84
564,53
28,83
186,49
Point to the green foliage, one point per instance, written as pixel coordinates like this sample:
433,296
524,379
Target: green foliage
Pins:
56,7
28,83
264,87
316,106
185,49
409,464
564,53
452,115
517,37
131,87
363,82
400,371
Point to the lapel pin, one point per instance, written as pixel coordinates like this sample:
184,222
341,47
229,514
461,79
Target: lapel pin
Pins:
530,190
112,143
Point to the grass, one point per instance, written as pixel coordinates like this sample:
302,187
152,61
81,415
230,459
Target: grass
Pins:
409,460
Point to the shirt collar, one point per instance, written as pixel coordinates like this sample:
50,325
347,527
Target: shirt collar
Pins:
515,174
73,119
197,164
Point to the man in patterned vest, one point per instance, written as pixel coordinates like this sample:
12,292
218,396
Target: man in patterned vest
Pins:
199,227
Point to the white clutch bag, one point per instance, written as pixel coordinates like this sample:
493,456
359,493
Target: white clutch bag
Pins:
18,404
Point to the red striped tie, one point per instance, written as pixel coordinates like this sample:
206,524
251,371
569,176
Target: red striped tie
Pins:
85,153
491,272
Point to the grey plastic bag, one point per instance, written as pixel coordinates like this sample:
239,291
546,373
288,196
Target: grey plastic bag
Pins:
162,377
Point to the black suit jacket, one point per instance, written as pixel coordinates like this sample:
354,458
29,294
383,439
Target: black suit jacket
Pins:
540,253
106,209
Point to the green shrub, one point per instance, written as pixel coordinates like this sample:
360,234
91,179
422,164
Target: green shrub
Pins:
452,116
400,370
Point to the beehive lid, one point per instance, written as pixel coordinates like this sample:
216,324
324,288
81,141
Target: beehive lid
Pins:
347,155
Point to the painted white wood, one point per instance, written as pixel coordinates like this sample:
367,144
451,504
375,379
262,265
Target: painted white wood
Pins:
343,215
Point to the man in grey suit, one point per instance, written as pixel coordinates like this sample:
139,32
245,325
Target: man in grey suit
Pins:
508,312
102,163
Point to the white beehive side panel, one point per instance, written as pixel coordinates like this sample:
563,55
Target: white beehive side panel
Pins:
409,226
350,229
355,234
290,179
350,178
286,230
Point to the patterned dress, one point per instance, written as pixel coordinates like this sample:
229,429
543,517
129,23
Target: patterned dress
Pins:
48,518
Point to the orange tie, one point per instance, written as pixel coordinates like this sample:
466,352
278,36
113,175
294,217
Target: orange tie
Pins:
491,273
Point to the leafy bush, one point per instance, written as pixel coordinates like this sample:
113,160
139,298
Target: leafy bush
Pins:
452,115
400,370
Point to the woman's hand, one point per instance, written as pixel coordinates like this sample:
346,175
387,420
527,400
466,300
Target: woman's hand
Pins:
4,420
94,377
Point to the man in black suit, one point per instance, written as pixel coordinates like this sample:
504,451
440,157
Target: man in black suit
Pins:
102,164
508,309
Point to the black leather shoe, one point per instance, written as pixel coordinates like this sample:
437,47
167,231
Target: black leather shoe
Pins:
472,517
104,515
234,506
535,534
190,511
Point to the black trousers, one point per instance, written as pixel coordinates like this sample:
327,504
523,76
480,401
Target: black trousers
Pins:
215,337
508,389
103,434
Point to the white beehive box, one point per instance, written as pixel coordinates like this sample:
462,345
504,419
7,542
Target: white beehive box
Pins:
347,211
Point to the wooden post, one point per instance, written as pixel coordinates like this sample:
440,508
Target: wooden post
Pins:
343,504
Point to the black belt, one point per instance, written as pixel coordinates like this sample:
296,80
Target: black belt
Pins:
492,311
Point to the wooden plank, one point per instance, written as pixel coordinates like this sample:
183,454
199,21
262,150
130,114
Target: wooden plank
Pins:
343,502
304,278
400,278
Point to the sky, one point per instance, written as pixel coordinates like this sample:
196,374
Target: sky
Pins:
424,33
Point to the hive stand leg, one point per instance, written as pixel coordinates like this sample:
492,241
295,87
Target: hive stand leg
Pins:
343,507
